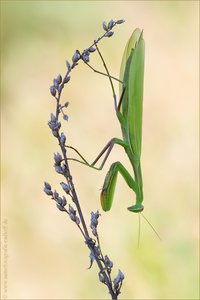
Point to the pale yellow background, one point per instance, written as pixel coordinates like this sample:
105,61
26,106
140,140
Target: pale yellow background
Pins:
47,258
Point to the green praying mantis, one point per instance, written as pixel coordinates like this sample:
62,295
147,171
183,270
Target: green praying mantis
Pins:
129,114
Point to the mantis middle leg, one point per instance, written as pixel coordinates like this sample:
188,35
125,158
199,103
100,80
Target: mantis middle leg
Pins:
108,189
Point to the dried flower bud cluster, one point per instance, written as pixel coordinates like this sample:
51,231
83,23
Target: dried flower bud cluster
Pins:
109,26
62,139
108,263
86,53
60,201
102,277
61,109
54,125
58,158
118,282
60,167
96,252
47,189
56,82
73,216
94,222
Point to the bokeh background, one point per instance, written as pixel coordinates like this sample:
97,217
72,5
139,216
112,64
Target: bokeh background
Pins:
47,258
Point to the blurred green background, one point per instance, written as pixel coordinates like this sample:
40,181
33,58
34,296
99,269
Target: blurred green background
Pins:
47,257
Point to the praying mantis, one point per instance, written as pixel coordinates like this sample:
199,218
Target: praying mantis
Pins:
129,114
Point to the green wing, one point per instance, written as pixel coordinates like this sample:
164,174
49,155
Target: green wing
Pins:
127,51
135,95
132,74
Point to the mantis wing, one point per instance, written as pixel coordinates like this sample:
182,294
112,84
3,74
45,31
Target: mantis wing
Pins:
132,74
127,51
135,96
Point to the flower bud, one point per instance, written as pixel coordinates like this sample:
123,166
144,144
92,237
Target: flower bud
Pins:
58,169
64,201
108,262
57,158
55,133
65,117
85,57
48,192
94,231
101,278
68,66
55,195
66,104
118,279
55,83
91,49
105,26
76,56
65,187
77,220
72,217
120,21
66,79
53,118
47,185
110,24
62,139
71,210
109,34
60,207
52,90
59,200
64,168
59,79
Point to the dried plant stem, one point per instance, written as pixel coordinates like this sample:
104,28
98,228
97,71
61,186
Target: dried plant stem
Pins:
84,230
62,167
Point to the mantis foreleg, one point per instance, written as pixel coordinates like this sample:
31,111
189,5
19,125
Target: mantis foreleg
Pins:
101,73
108,147
108,189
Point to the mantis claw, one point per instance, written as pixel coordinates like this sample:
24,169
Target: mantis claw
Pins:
136,208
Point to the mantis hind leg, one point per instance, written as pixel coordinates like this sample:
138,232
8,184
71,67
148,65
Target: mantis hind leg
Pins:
138,207
108,189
